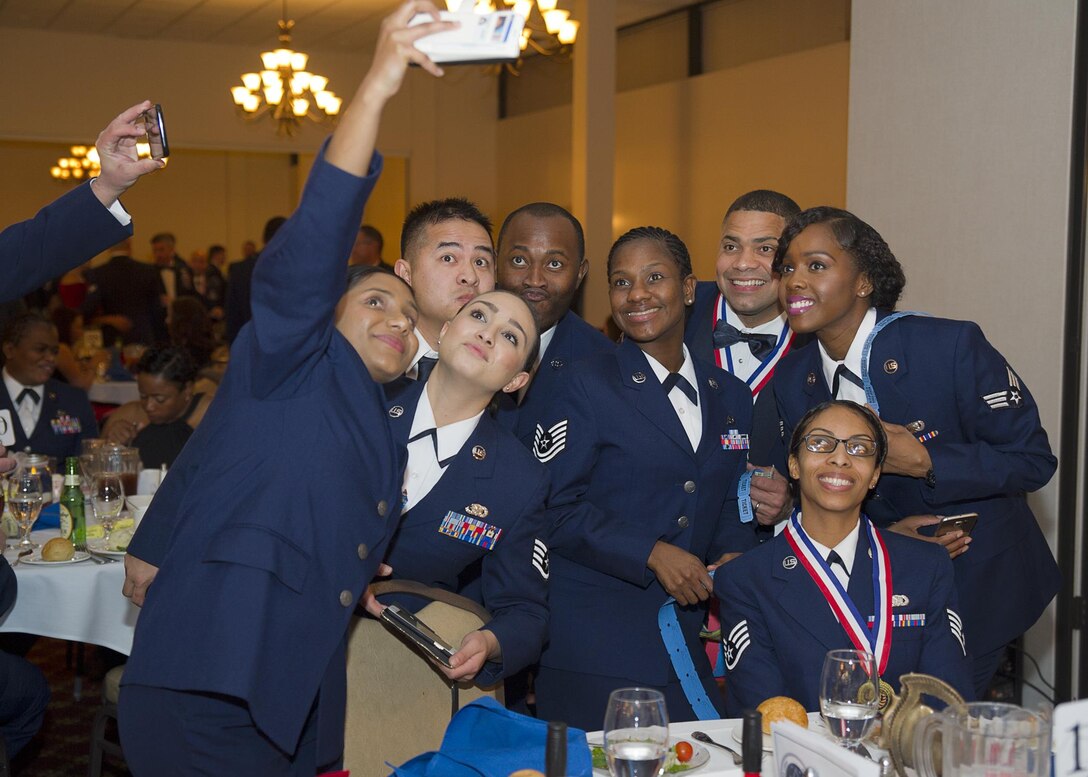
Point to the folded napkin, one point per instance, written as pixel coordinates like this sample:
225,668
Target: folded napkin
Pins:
95,530
484,739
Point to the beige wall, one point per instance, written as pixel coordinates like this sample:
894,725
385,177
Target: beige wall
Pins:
686,149
959,155
226,176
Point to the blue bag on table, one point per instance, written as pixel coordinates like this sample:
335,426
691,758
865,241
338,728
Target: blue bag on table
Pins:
484,739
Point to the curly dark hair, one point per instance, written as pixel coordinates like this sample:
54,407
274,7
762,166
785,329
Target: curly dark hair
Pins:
172,364
867,415
672,244
870,252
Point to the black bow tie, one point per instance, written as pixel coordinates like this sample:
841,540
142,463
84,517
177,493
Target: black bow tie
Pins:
725,335
433,434
676,380
424,367
835,558
842,373
28,392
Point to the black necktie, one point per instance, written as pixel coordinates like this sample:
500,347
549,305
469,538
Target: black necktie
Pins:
424,367
725,335
675,379
842,373
835,558
433,434
28,392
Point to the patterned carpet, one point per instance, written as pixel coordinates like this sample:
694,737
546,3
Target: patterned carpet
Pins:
62,747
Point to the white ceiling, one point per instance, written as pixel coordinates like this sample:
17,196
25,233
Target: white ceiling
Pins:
331,24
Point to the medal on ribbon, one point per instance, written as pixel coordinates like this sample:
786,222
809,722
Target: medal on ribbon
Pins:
876,639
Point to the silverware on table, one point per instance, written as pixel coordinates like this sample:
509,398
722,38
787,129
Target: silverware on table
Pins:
22,554
699,736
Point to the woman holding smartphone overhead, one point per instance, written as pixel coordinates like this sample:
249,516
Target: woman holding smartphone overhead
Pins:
832,580
274,518
964,434
645,446
474,520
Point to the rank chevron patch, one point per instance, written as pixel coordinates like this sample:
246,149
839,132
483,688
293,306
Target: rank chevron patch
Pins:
957,629
735,644
549,444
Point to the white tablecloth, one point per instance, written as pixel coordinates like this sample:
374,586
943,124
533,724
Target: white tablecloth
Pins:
80,602
114,393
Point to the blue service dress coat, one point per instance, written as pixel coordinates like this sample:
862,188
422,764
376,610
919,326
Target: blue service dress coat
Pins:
64,234
273,519
777,627
624,476
573,341
981,427
66,418
481,532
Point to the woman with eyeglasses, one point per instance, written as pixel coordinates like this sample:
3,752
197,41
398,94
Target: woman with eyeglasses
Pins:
964,434
833,580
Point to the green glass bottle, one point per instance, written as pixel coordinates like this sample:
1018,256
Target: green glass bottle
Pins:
73,522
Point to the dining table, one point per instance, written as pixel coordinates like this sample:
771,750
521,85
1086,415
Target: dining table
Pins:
114,392
80,601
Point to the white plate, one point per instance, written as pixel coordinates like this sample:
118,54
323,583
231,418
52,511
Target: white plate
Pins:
111,553
700,756
815,722
35,558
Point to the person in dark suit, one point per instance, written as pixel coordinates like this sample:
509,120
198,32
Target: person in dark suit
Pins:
964,431
645,446
239,280
130,290
24,692
541,258
739,324
251,560
48,416
368,247
87,220
177,276
776,601
464,528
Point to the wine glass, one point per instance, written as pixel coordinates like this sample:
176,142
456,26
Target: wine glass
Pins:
849,695
107,499
25,503
636,732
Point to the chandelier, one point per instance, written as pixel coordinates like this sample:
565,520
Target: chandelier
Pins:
81,163
284,89
549,31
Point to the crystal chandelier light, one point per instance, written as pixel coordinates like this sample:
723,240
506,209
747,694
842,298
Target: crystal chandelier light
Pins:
284,89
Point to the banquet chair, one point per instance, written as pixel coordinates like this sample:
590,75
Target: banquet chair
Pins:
398,703
100,743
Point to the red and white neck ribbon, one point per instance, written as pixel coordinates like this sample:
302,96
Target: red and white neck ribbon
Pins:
877,638
758,379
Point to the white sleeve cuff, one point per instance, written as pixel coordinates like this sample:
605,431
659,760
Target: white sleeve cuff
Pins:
118,211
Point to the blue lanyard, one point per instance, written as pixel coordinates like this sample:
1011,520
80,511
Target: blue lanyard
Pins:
866,382
682,664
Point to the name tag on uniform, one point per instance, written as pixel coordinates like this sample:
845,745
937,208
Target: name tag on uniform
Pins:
65,424
734,441
905,620
470,530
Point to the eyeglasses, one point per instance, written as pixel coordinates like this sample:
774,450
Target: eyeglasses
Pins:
825,443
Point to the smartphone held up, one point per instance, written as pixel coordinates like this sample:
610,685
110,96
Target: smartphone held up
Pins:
480,38
155,130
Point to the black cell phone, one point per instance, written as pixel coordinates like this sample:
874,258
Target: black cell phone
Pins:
419,633
964,522
155,127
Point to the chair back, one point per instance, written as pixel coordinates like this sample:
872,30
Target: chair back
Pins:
398,702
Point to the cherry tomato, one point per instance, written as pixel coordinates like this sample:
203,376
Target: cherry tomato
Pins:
684,752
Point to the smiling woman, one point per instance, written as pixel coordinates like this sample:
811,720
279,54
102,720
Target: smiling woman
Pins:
830,554
645,446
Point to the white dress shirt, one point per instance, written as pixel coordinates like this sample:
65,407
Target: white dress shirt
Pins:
28,410
744,364
423,471
848,390
423,349
846,549
689,414
545,340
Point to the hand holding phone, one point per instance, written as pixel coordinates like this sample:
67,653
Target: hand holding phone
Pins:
418,633
155,127
963,522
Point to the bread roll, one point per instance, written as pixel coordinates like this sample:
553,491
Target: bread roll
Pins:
58,549
782,708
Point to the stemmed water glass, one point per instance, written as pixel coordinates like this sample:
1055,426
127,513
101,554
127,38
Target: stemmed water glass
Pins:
849,695
107,499
25,503
636,732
